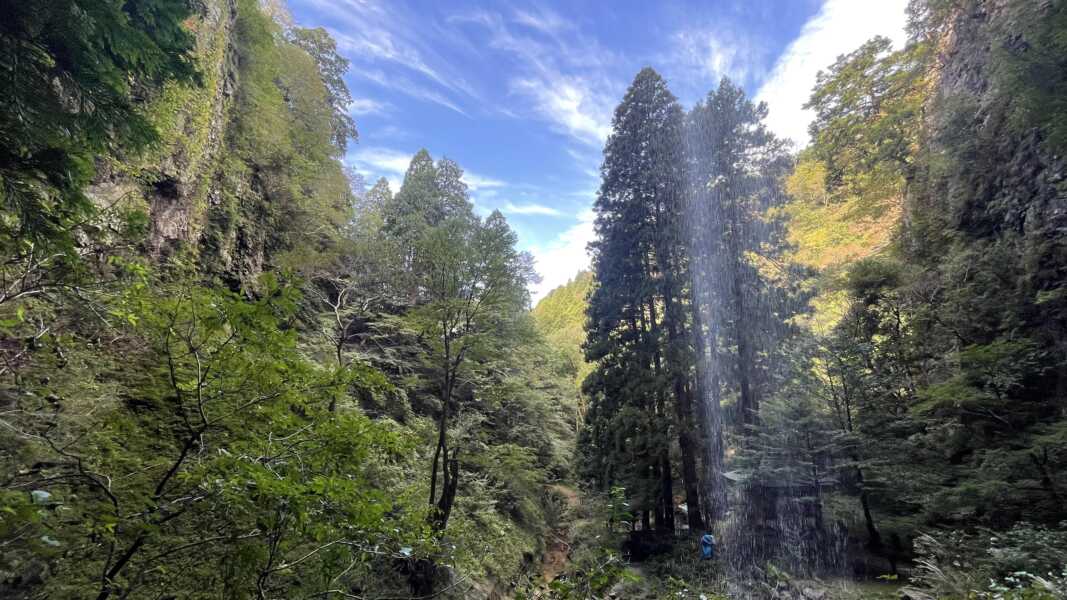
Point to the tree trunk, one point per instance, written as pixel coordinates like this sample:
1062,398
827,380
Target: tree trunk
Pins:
711,424
820,527
874,539
440,459
748,405
443,463
666,493
689,466
448,492
678,365
665,522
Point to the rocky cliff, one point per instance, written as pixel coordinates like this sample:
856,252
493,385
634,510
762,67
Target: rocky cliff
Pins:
995,170
187,183
1016,183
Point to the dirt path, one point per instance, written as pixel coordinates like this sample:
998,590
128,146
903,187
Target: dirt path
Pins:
558,544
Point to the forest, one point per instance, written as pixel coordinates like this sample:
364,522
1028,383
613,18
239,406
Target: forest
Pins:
231,367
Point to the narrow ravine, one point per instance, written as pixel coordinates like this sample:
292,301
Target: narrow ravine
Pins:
558,540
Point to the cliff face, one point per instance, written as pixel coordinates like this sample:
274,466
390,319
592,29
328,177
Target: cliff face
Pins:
1005,177
182,181
993,194
184,176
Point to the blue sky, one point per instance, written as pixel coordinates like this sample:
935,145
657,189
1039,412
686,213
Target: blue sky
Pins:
520,94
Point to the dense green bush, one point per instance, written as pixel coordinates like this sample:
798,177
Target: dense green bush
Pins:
1025,562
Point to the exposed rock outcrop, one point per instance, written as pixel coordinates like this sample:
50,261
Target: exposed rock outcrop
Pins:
180,180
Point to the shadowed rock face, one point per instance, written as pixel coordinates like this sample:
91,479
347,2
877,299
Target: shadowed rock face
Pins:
182,183
1008,185
1015,183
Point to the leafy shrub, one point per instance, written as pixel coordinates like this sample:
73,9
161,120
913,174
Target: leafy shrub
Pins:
1027,562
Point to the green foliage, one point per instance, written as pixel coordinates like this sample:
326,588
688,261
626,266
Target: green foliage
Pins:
218,448
1025,562
941,371
72,70
331,66
436,297
635,328
830,231
989,375
1033,66
868,105
560,318
590,580
746,293
935,397
283,190
468,283
163,434
618,509
848,185
679,574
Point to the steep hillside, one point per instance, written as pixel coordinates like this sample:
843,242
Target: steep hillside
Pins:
946,362
245,168
560,317
224,372
831,231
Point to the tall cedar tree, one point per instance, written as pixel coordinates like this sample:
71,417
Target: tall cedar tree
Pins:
737,165
636,312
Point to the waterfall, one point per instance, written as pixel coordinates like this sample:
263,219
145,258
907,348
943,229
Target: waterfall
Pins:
763,489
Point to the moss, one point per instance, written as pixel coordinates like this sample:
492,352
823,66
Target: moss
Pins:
182,112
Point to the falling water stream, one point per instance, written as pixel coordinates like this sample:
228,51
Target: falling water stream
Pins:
765,512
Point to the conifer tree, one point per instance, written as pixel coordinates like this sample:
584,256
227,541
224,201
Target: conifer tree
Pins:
742,296
636,315
738,164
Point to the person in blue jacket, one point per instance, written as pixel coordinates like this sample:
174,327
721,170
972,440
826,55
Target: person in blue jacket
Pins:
707,547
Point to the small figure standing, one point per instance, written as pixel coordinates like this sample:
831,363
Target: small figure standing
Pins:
707,547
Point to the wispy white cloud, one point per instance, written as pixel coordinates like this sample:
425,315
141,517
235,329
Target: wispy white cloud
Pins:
366,106
570,103
388,132
476,183
530,209
840,27
541,20
406,86
559,73
382,161
372,34
562,258
717,52
381,45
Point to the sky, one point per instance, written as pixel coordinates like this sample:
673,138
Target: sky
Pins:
521,94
